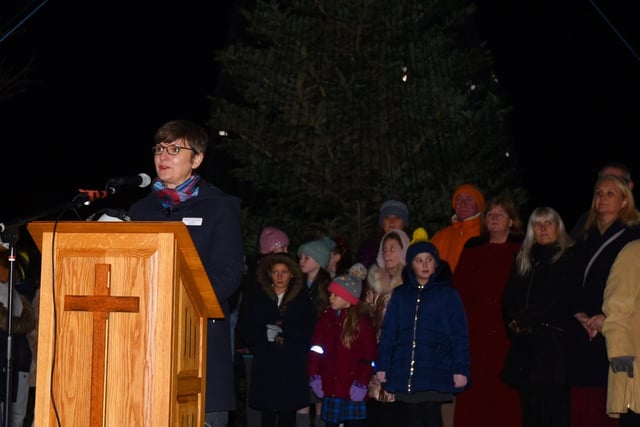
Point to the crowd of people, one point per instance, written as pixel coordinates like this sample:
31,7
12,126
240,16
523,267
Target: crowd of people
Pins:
495,320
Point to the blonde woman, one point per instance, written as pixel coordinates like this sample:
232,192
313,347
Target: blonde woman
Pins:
534,306
612,222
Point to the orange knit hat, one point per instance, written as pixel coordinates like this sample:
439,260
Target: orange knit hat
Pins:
471,189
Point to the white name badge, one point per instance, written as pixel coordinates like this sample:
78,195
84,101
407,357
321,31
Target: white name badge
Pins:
192,221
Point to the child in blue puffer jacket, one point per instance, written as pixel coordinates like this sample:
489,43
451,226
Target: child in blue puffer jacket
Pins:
423,352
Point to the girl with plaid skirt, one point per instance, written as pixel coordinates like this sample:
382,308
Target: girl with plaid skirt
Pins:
343,347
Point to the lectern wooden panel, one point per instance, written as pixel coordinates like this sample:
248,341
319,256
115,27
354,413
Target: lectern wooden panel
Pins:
123,325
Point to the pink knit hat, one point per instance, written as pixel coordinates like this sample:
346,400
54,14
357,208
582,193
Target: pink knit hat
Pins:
271,239
349,286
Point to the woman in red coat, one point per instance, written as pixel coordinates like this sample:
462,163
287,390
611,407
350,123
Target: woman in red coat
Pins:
480,277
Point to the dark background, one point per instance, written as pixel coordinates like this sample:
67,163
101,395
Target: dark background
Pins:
106,75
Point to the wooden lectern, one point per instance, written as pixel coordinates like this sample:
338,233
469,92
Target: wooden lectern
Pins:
123,325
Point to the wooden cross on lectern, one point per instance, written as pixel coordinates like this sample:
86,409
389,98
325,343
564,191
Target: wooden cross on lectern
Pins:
100,304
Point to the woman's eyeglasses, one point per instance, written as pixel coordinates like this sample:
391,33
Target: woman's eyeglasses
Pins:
171,149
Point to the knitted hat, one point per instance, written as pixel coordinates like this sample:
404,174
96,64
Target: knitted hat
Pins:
318,250
349,286
272,238
471,189
404,239
419,244
329,242
394,206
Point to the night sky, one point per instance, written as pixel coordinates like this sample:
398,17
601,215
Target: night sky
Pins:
106,76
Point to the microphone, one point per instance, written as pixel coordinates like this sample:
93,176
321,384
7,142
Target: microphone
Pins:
9,226
86,197
141,180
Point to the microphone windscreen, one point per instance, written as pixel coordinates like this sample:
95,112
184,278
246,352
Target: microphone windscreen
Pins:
145,180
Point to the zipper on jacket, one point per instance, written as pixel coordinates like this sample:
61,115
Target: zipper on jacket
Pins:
413,341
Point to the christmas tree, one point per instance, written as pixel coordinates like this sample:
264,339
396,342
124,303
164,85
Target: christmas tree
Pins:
334,105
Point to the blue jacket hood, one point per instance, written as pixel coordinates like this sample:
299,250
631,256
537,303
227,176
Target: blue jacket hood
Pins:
442,275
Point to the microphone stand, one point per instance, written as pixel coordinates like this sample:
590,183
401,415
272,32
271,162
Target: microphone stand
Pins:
13,237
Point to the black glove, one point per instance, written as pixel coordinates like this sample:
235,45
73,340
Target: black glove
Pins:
622,364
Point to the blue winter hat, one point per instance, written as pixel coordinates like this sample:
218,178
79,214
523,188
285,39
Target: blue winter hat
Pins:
419,244
318,249
394,206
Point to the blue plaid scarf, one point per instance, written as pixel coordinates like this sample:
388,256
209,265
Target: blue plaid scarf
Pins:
172,197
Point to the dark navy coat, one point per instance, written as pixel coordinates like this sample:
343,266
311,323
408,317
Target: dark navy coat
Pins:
441,341
588,360
218,240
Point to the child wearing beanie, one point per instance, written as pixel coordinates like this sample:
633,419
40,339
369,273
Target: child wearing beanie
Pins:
319,250
313,259
343,347
423,352
272,240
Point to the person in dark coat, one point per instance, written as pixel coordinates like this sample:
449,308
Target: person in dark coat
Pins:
213,220
272,240
423,351
612,222
276,321
535,311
